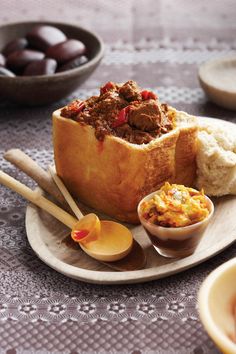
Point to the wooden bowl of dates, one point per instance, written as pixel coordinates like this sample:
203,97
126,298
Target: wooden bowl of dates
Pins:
44,62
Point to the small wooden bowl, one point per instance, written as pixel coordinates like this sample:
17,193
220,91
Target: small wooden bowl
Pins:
217,78
44,89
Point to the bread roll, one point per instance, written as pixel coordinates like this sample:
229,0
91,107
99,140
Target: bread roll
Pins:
216,160
113,175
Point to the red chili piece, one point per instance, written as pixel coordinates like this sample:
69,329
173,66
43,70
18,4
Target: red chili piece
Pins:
147,95
76,107
109,85
122,117
80,234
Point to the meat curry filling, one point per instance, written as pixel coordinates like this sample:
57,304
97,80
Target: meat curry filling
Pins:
124,111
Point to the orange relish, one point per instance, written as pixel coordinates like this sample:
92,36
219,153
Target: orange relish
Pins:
175,205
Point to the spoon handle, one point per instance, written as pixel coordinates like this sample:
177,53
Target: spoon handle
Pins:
36,198
19,159
64,191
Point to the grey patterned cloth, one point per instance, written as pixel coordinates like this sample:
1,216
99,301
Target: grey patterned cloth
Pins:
159,43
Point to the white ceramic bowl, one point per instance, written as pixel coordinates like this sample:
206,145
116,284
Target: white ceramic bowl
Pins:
216,300
217,78
175,242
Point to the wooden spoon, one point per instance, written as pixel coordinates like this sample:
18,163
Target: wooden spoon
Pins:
36,198
25,164
112,234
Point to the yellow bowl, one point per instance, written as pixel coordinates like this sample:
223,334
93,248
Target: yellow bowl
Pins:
216,300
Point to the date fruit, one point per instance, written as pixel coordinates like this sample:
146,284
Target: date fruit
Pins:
41,67
19,59
66,51
41,37
74,63
2,60
13,46
6,72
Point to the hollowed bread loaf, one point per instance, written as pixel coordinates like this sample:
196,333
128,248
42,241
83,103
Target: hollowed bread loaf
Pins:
113,175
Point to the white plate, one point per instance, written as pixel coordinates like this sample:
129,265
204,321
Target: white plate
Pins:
45,235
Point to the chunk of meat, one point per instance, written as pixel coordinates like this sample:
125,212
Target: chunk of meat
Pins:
109,106
130,91
133,136
123,130
73,109
139,137
146,116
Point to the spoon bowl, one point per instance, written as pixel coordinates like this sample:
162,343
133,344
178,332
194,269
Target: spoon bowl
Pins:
106,241
86,229
115,242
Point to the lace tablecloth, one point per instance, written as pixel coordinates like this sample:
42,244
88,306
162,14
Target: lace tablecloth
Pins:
159,43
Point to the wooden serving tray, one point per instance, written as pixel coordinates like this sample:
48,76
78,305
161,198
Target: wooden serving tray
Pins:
46,235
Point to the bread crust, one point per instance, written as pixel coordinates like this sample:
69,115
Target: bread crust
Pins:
113,175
